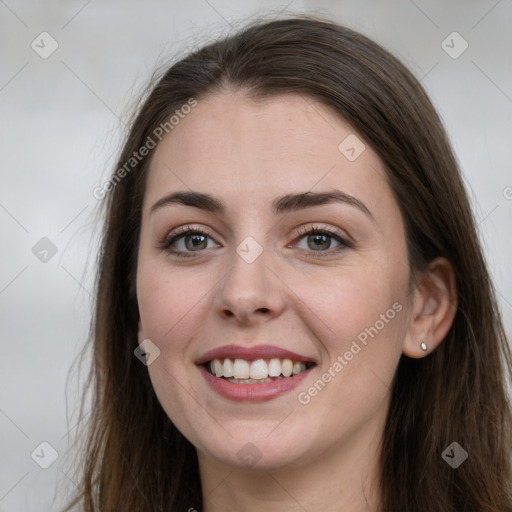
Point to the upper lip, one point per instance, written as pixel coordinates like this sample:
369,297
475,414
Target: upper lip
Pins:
252,353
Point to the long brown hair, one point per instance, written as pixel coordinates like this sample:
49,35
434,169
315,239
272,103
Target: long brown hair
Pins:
134,458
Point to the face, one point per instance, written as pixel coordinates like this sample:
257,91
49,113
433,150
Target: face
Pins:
260,277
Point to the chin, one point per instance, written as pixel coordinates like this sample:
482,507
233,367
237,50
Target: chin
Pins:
258,453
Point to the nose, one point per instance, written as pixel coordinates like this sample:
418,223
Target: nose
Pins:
250,292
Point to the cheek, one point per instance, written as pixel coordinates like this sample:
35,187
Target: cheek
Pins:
359,318
349,300
169,306
169,302
358,313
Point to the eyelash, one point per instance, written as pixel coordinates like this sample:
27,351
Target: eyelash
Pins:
166,243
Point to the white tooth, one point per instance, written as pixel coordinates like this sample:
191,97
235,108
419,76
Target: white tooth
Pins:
287,367
228,368
259,369
241,369
274,368
217,367
298,368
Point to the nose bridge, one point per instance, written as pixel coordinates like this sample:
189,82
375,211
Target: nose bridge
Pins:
249,286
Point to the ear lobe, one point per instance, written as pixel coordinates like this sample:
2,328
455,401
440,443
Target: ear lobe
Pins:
435,305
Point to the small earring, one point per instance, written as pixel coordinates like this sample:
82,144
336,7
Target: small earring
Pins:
423,346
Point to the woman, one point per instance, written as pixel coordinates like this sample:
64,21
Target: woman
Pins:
293,311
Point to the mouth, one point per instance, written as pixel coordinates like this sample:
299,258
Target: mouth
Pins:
257,371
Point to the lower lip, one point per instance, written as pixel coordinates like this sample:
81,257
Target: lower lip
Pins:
252,392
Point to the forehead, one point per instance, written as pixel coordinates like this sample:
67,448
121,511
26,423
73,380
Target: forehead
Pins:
243,150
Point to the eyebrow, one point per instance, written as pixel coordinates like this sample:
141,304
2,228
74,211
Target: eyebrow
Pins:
280,205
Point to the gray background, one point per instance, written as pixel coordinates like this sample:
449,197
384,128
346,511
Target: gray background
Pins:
62,119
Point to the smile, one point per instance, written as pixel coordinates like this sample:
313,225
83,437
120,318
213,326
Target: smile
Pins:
242,371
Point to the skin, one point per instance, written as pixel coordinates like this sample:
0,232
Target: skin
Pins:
322,455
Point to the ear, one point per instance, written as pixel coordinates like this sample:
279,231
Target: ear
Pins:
140,334
434,304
